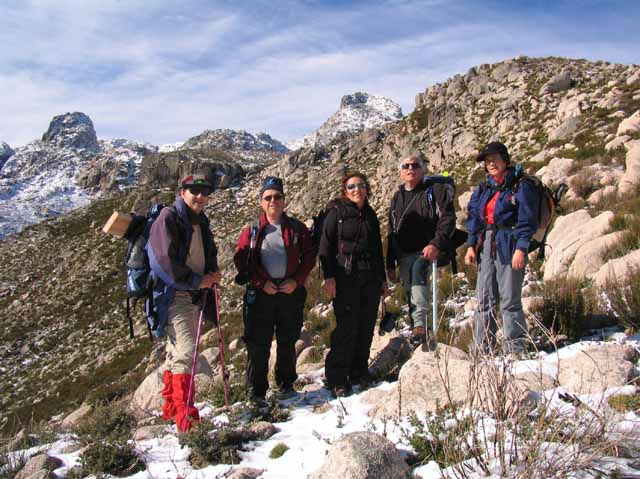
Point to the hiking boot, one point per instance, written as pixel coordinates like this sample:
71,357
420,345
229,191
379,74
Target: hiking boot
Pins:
257,402
341,391
418,336
286,392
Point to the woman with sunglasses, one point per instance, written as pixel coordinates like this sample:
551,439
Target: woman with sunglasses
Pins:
350,252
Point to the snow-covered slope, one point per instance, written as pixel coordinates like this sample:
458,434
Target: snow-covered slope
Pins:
357,112
41,180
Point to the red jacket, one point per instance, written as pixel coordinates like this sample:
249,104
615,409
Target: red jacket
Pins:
297,243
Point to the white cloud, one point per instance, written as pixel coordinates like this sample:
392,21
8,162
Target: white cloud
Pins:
164,71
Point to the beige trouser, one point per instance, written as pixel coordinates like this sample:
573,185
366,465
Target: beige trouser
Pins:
181,334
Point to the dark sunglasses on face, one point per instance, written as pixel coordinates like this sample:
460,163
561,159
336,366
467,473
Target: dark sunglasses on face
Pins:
199,190
353,186
411,166
268,198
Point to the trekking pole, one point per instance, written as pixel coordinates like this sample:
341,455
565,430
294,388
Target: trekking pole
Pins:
434,284
195,360
225,374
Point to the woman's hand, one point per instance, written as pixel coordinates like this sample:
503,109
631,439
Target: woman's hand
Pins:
270,288
288,286
517,262
329,286
470,257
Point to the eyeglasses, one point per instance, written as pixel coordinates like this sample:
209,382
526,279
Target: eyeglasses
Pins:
410,166
268,198
353,186
199,190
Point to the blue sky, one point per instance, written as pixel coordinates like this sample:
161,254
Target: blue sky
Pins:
163,71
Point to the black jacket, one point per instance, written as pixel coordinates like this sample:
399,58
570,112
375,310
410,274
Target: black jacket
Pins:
360,238
413,225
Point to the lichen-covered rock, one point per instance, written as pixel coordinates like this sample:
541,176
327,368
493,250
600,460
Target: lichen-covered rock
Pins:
362,455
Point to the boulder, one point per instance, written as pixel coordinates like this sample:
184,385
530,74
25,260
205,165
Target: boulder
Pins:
362,455
598,195
39,467
387,352
634,77
463,200
617,269
234,345
556,171
421,385
148,398
629,125
566,129
569,234
311,354
570,107
244,473
76,416
588,259
557,83
596,369
631,176
617,142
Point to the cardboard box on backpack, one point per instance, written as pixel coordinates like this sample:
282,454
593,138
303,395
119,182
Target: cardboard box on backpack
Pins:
117,224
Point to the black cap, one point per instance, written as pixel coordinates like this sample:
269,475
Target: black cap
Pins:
272,183
492,148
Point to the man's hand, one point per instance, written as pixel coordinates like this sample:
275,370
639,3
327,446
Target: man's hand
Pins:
517,262
288,286
208,279
270,288
329,286
470,257
431,252
391,274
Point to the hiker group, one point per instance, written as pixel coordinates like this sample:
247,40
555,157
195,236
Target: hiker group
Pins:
276,252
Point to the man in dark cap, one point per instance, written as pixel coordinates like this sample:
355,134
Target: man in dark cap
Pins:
184,267
274,256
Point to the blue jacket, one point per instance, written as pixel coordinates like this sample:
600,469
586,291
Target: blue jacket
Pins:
516,214
167,248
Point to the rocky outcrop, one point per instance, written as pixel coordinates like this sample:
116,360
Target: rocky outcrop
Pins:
39,467
569,234
631,177
557,83
72,130
629,125
618,269
359,111
164,170
362,455
5,153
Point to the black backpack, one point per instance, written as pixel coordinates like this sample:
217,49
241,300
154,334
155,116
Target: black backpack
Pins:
137,260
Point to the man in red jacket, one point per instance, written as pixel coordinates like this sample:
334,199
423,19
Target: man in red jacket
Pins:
275,256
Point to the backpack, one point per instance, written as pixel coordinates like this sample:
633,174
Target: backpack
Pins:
549,200
459,237
137,259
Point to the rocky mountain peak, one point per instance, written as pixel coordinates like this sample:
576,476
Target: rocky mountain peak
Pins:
5,153
72,130
358,111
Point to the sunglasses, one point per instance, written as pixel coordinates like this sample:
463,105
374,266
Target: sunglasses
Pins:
199,190
268,198
410,166
353,186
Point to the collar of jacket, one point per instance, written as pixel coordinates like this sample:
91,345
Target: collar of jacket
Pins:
183,213
264,221
419,187
509,179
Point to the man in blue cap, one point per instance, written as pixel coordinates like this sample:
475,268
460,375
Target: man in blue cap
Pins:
274,256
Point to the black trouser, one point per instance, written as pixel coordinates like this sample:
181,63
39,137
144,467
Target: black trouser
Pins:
356,309
282,312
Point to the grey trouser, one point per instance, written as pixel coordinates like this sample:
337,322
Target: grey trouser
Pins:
414,275
498,282
181,334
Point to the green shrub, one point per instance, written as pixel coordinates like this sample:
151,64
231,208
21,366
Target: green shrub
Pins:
582,185
215,394
117,459
106,423
209,446
278,450
625,403
564,307
623,299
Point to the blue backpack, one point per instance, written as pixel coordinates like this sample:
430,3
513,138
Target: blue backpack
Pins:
137,260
